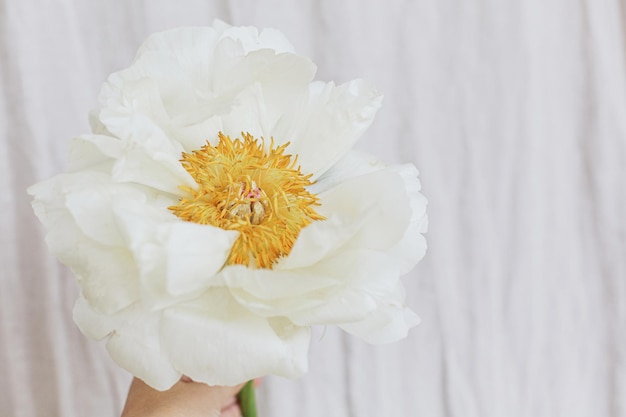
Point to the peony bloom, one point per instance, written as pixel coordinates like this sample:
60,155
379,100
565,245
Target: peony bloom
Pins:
217,211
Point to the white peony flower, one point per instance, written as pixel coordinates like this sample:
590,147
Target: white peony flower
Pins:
217,211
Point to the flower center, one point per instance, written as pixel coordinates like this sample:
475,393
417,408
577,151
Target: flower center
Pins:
261,194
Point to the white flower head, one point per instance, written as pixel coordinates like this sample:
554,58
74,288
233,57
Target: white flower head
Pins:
217,211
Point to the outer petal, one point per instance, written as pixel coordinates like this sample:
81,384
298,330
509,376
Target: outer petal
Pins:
412,246
388,323
136,347
105,273
134,341
216,341
89,198
251,40
190,47
92,323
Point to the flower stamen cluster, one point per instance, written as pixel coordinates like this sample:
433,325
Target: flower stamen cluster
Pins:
259,193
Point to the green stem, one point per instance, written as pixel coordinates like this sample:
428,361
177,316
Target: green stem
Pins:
247,400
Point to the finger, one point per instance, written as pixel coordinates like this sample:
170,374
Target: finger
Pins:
219,396
232,410
226,394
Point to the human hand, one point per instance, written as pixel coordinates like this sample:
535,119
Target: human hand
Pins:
185,399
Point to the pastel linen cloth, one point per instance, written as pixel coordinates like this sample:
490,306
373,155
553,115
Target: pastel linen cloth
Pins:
515,114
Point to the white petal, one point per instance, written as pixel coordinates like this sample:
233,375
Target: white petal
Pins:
353,164
320,240
338,289
168,85
175,85
134,112
92,151
370,211
379,198
96,325
170,75
106,274
190,47
324,129
138,167
194,254
412,247
136,347
385,325
272,285
175,258
49,200
89,198
261,88
183,78
366,275
152,160
251,40
129,99
216,341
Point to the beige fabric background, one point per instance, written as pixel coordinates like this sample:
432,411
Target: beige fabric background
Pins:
515,114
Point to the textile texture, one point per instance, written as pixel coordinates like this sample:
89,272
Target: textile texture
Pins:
514,112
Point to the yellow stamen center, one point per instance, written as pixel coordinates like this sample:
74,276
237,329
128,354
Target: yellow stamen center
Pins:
261,194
